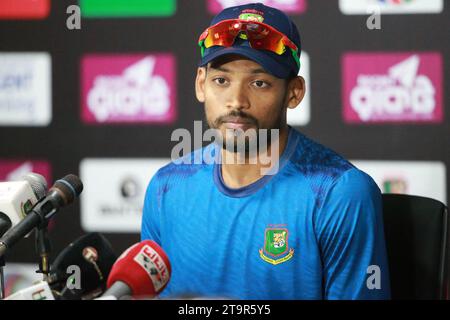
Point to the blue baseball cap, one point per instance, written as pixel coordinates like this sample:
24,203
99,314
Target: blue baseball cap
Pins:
281,66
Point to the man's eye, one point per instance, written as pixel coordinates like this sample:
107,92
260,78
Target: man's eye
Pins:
260,84
220,80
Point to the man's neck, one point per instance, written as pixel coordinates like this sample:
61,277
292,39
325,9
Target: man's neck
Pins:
237,175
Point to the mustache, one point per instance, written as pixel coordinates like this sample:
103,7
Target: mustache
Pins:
233,116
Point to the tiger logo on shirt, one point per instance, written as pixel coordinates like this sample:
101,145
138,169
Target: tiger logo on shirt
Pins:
278,239
276,249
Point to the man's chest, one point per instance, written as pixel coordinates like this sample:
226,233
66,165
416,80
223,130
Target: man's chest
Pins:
264,229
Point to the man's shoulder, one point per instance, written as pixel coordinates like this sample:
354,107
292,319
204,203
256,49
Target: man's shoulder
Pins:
316,161
329,173
185,166
356,185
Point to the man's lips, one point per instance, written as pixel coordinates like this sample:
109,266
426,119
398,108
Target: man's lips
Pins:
236,120
237,123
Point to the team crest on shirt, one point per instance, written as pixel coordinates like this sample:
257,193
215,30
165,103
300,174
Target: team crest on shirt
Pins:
276,247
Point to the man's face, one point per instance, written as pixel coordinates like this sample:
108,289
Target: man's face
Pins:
239,94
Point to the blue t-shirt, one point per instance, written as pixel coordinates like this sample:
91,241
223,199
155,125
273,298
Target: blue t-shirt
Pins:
314,230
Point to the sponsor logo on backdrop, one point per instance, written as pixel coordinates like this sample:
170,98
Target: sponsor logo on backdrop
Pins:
127,8
391,6
128,89
288,6
395,184
25,89
301,115
114,202
392,87
421,178
12,170
24,9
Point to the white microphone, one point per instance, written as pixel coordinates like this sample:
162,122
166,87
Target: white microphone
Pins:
39,291
63,192
17,198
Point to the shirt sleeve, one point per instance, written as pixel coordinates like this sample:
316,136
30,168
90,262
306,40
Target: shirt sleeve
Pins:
150,225
349,229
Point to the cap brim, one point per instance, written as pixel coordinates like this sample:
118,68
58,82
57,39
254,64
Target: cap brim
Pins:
264,58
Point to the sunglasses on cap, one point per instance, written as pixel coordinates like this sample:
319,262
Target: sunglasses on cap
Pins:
260,36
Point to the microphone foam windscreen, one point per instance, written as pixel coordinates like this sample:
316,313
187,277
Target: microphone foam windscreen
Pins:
69,187
144,267
93,254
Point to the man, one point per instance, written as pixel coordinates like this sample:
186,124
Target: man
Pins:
309,229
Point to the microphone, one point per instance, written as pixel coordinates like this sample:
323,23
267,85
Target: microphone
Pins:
17,198
94,256
39,291
63,192
37,183
142,270
5,223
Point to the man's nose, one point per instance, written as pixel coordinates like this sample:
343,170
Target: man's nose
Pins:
238,97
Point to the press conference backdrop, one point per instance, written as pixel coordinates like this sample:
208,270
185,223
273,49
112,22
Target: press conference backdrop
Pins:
102,101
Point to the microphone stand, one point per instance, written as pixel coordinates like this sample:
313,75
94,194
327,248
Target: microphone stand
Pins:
5,225
2,275
2,278
43,248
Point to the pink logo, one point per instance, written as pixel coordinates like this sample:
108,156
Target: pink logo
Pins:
392,87
128,88
288,6
11,170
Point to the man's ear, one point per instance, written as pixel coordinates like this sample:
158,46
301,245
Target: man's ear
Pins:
200,84
296,92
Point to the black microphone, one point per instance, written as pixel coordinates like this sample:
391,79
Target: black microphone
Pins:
94,255
63,192
5,223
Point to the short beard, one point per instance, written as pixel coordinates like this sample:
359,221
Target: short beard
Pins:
245,143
